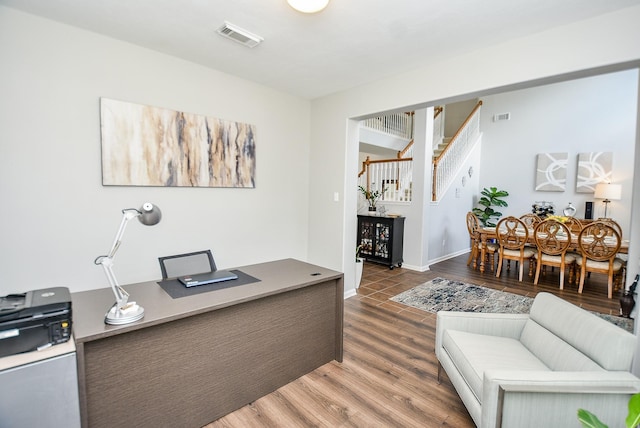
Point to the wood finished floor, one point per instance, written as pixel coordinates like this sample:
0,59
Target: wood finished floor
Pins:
388,376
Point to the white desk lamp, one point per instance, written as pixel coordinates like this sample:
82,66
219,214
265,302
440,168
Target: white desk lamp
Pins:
123,311
608,192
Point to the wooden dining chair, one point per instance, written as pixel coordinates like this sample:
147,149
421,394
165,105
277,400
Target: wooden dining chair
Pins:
531,220
513,235
574,225
599,243
473,227
553,239
623,258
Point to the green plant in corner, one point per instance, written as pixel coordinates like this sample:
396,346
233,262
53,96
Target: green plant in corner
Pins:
491,197
589,420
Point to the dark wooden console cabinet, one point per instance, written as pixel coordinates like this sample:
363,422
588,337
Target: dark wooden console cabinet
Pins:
192,360
381,239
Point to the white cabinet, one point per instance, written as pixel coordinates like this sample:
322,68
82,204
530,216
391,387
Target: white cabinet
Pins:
40,389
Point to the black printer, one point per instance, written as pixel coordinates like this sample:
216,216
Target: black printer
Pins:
34,320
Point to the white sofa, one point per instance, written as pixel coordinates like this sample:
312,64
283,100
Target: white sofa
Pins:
537,369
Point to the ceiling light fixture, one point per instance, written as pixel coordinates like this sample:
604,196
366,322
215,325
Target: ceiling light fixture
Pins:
308,6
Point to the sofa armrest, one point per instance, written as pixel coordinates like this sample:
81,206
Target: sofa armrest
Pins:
505,325
547,398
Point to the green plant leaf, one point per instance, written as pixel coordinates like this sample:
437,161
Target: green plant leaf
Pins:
490,197
633,418
589,420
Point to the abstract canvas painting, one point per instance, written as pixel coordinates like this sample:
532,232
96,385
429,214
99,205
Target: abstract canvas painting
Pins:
151,146
551,172
593,168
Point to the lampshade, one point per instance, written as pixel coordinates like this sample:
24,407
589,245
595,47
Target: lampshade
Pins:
608,191
150,214
308,6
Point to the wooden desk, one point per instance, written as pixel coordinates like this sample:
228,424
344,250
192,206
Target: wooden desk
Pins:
191,360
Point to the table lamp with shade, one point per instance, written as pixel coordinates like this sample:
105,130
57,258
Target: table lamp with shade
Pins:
609,192
123,311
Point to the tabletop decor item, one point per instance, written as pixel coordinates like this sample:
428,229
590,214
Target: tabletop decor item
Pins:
569,210
124,311
543,209
558,218
609,192
372,197
491,197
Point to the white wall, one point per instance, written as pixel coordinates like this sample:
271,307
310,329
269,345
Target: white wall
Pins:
448,233
456,114
607,40
57,217
585,115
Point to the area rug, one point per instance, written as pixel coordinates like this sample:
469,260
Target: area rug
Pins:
441,294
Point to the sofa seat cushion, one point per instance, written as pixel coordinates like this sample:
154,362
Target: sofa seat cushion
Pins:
474,353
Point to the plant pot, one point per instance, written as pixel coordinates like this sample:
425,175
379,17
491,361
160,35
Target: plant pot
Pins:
359,268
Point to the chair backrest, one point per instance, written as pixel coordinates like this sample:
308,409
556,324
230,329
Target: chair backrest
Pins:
531,220
614,224
552,237
599,241
574,225
187,264
512,233
473,224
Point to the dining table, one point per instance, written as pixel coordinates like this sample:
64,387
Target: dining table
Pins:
488,234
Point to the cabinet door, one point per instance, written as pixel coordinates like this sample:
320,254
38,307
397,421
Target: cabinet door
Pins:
367,235
383,239
41,394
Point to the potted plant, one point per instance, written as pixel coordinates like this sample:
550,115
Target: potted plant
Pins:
589,420
359,266
491,197
371,197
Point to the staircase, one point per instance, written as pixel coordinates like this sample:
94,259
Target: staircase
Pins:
439,148
394,177
452,154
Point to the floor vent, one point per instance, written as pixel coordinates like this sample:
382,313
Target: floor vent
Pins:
239,35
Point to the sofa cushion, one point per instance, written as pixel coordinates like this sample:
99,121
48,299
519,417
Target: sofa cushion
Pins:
474,353
589,334
554,352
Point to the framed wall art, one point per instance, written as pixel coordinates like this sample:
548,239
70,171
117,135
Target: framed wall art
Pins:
593,168
551,172
151,146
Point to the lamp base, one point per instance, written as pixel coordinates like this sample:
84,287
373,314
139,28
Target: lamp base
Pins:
117,316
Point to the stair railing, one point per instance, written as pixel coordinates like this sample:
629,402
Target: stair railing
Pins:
438,126
447,163
395,176
397,124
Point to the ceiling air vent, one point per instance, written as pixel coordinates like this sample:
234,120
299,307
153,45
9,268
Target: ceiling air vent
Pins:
239,35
